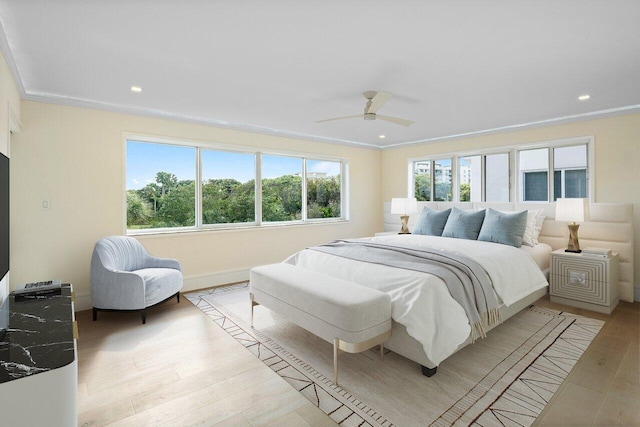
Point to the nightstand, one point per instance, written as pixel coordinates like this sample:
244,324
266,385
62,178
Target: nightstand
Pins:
584,281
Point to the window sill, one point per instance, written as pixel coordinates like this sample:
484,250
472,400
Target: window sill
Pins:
232,228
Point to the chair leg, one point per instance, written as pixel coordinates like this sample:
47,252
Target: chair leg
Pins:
143,313
95,314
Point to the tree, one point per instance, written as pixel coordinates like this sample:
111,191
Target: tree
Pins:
465,192
138,210
423,187
178,207
167,181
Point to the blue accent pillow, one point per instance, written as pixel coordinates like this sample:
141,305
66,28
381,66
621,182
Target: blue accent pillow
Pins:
430,222
505,228
463,225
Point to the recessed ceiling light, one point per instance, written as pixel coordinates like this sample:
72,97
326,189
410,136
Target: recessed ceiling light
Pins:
382,136
136,89
584,97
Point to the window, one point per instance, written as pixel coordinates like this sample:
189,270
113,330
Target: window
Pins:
484,177
470,179
160,185
422,180
442,180
281,188
534,166
323,189
496,177
544,172
170,186
570,172
569,177
228,187
436,186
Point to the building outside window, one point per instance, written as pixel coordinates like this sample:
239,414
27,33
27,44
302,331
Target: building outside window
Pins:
569,178
436,186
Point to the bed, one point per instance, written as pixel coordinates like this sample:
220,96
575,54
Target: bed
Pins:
428,325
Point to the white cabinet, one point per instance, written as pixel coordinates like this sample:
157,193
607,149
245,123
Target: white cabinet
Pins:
584,281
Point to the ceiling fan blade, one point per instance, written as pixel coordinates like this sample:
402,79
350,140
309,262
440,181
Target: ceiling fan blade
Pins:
378,101
340,118
396,120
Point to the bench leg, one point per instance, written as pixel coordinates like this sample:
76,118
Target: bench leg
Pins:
336,346
253,304
382,352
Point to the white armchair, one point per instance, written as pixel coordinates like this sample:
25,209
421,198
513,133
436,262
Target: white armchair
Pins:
125,277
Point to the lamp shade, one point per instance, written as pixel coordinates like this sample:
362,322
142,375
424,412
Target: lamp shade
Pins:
404,206
573,210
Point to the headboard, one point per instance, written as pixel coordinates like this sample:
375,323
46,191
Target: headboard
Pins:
609,226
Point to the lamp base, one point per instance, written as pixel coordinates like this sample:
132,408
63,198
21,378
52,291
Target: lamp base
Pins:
574,244
404,229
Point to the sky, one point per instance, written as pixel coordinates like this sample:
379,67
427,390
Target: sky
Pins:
144,160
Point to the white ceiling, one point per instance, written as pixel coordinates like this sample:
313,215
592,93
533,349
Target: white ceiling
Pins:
453,67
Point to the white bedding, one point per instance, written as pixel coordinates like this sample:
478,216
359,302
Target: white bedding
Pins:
421,302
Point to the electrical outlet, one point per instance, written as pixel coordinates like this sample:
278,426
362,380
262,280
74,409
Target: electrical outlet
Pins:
45,204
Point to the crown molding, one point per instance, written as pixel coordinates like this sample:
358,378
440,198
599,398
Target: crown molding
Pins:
115,108
529,125
11,63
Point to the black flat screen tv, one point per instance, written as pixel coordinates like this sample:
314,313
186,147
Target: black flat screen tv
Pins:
4,215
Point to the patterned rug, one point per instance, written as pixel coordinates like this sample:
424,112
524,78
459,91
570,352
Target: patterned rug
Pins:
504,379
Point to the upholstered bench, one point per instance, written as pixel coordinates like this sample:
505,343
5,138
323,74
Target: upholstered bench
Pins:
352,317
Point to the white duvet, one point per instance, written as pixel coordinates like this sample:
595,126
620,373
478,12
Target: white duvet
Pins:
420,301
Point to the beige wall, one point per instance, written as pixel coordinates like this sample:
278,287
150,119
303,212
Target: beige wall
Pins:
617,160
75,157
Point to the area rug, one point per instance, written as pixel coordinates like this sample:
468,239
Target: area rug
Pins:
504,379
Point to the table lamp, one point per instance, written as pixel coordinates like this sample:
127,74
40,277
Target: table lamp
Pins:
572,210
404,206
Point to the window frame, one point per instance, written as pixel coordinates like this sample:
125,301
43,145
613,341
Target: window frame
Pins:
258,152
432,176
516,194
587,141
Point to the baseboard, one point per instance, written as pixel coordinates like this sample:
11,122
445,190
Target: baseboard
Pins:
82,302
191,283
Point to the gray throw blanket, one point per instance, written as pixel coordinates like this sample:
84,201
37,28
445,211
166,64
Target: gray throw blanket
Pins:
468,283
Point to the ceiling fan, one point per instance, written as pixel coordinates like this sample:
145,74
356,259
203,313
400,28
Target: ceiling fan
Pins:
375,100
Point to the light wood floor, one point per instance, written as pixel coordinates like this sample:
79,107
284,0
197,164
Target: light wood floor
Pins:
182,369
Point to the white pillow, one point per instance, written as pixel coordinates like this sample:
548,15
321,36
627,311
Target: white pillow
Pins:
538,228
530,237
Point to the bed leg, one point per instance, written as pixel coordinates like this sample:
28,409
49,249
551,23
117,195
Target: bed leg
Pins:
429,372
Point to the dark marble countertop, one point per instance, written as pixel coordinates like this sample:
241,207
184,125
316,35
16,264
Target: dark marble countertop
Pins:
38,335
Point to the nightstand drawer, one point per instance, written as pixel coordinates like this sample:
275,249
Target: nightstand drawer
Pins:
589,291
581,269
